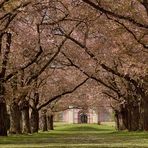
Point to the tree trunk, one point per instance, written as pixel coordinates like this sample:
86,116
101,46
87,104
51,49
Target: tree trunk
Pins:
122,115
4,62
3,119
44,121
117,119
145,113
141,120
3,111
34,120
50,122
134,118
121,123
15,118
25,117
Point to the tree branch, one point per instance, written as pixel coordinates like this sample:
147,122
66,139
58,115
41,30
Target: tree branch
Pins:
62,94
122,17
6,54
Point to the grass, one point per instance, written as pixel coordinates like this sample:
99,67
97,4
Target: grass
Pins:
78,136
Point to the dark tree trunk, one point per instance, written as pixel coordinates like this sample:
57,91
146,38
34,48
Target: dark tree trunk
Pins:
4,62
25,117
129,127
122,117
8,122
34,120
134,118
141,120
3,111
25,121
144,112
117,119
35,113
121,123
50,122
15,118
44,121
3,119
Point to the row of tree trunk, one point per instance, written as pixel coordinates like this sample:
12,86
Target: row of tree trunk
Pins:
21,121
132,116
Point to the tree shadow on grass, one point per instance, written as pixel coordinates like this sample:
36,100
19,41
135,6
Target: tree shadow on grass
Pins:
86,128
80,136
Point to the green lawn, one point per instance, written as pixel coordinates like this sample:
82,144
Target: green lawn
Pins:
82,136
